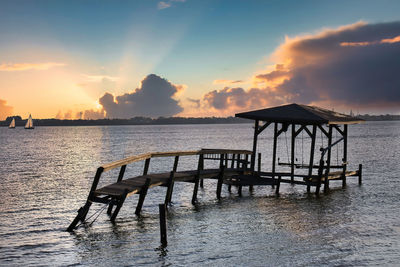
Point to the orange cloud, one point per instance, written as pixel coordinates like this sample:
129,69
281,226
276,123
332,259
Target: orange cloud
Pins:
29,66
321,69
5,110
227,81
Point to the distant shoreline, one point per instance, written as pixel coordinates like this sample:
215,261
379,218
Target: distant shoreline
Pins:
160,121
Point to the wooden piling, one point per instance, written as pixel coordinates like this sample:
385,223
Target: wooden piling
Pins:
120,202
200,166
360,174
119,179
278,185
163,224
170,189
221,176
142,196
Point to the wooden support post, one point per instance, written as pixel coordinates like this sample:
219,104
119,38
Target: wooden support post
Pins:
328,161
197,178
360,174
83,211
274,149
320,173
220,181
293,144
163,224
278,185
146,166
253,154
120,202
142,196
240,190
221,175
120,177
344,155
311,163
168,195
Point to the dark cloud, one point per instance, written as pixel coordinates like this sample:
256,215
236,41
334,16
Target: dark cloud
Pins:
196,102
352,66
5,110
153,99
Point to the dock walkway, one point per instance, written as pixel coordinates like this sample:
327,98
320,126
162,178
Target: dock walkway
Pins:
233,170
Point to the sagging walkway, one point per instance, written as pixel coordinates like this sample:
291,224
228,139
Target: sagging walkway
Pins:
233,170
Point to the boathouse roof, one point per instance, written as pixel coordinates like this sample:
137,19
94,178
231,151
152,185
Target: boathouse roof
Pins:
299,114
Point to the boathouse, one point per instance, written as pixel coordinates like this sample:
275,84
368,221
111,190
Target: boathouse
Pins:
234,166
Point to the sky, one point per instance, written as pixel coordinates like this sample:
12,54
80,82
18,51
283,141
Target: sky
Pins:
121,59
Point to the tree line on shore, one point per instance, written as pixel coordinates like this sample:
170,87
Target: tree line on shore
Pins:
160,121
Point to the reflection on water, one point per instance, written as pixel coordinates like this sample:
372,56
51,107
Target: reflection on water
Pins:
45,176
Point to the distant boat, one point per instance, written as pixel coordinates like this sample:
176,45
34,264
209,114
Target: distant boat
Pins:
12,124
29,123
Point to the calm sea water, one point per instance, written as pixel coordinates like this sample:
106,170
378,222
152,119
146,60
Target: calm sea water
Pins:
46,173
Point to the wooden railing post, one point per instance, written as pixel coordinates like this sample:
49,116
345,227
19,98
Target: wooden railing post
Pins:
83,211
168,195
197,178
220,176
120,176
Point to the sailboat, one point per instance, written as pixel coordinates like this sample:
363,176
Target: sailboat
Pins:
29,123
12,124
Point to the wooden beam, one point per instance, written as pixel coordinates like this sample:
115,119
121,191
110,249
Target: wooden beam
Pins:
323,130
311,163
142,196
253,154
262,128
292,151
328,161
168,195
197,178
274,149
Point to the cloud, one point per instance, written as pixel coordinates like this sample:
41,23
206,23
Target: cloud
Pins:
227,81
100,78
29,66
167,4
195,102
5,110
355,65
91,114
153,98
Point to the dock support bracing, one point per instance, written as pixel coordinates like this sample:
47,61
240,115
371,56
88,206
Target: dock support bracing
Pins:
142,196
200,167
168,195
83,211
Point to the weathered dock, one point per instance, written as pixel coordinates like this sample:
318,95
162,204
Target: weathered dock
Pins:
236,167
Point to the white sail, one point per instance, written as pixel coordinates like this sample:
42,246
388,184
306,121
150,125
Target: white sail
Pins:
29,123
12,124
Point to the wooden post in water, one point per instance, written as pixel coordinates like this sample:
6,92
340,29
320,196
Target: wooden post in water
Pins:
253,154
311,163
142,196
328,161
344,155
220,178
293,144
274,149
163,224
320,173
83,211
168,195
120,202
200,166
278,185
360,174
120,176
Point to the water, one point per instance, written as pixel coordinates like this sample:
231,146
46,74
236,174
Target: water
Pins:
46,173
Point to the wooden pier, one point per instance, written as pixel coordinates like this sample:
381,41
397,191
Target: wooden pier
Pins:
235,167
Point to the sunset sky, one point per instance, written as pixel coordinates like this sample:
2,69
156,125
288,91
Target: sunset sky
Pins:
120,59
